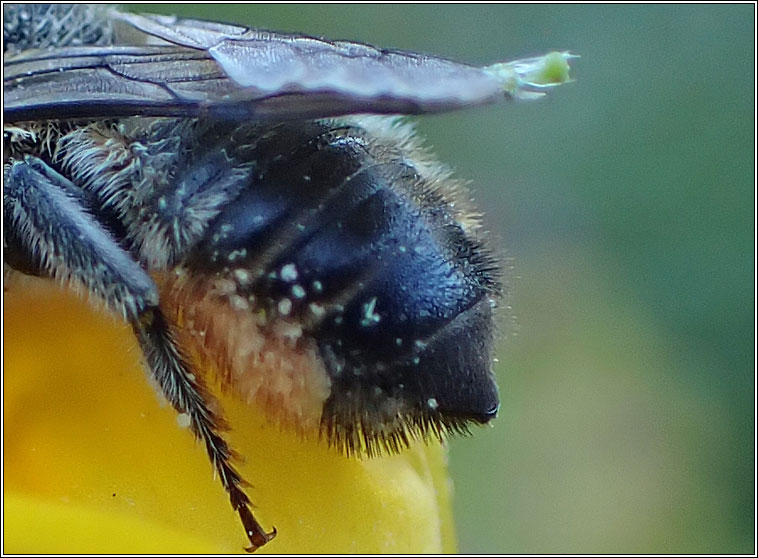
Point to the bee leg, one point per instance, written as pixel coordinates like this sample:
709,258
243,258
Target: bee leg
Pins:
48,231
171,371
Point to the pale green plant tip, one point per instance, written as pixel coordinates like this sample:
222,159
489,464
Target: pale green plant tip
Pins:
528,78
555,69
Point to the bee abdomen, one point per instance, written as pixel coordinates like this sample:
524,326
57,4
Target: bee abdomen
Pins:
335,232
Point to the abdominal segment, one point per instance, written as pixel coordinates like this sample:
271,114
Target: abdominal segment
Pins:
265,360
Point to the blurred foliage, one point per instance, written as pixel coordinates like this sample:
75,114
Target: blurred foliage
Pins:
625,207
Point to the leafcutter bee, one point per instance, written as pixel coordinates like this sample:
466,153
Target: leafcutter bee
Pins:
244,200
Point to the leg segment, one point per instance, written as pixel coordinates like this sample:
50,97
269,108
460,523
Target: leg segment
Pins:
171,370
49,232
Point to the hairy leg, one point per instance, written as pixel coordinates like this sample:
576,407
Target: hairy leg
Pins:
49,231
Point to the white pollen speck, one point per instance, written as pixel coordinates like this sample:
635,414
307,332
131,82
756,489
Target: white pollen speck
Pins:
239,303
370,317
183,420
401,248
317,309
432,403
284,306
317,286
236,254
242,276
298,291
288,272
291,332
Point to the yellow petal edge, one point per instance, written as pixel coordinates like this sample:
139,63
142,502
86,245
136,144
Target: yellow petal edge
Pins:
95,462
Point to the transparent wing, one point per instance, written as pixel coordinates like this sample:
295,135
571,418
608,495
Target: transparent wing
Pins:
191,68
184,67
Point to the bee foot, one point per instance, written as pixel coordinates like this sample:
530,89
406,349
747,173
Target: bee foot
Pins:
255,533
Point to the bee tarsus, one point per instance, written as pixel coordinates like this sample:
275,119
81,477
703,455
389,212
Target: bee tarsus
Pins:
255,533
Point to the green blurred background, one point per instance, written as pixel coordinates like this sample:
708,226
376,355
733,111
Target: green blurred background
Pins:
624,204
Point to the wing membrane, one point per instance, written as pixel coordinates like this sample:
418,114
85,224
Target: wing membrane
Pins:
193,68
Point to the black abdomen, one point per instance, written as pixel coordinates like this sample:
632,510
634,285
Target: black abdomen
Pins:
345,234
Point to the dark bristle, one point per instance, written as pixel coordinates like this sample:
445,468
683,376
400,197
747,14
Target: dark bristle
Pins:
354,438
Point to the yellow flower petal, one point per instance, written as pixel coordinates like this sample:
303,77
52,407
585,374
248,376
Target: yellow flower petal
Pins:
37,526
96,462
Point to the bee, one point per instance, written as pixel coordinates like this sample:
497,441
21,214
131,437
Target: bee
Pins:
247,202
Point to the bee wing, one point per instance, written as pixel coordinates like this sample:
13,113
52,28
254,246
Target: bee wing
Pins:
192,68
